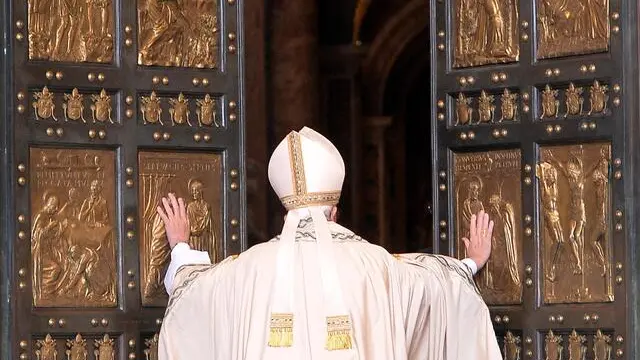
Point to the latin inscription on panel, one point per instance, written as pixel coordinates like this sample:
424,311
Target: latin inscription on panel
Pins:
195,178
178,33
574,228
73,233
486,32
572,27
490,181
71,30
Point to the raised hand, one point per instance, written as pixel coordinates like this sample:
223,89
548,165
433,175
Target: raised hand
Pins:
479,243
176,222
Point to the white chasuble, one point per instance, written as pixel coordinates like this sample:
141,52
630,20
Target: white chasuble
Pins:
402,307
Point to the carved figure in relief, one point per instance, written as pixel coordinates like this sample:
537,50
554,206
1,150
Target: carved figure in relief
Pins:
486,108
151,352
178,33
180,110
46,349
70,13
70,30
553,346
94,211
575,174
511,347
487,32
73,108
502,269
199,213
207,111
577,349
548,176
601,346
158,259
574,100
104,348
46,249
601,182
464,111
572,27
77,348
509,106
472,204
599,98
71,209
550,103
101,108
151,109
44,105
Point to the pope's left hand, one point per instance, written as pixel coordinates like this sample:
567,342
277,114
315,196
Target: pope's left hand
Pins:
479,243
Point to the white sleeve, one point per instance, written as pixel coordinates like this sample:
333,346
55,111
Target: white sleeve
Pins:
181,254
471,264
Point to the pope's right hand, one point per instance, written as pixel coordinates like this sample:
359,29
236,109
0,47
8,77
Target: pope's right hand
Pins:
176,222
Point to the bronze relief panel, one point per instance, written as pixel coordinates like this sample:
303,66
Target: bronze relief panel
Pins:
574,228
73,227
71,30
486,32
180,110
179,33
485,108
577,345
575,100
74,106
196,177
574,27
76,347
491,181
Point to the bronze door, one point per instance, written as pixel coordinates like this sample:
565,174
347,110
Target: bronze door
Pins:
111,105
528,112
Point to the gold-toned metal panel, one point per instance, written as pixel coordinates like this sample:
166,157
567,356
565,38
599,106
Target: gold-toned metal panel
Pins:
575,228
486,32
491,181
577,347
77,348
572,27
197,178
104,348
151,348
601,346
511,348
178,33
73,106
179,110
73,233
71,30
553,348
46,348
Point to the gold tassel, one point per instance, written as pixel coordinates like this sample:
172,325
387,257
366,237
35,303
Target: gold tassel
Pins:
338,333
281,330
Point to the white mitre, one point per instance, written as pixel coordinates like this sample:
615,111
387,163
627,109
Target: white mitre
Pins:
306,171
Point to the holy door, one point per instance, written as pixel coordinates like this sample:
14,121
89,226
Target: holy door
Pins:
110,105
531,121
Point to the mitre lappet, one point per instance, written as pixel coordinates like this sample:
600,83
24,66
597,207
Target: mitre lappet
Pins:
307,172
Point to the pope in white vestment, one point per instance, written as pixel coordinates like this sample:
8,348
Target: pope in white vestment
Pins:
318,291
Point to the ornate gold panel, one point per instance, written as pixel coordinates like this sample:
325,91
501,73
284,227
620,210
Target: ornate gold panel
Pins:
71,30
511,349
73,231
490,181
574,228
486,32
73,106
179,110
151,348
196,177
178,33
486,108
575,100
572,27
553,348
